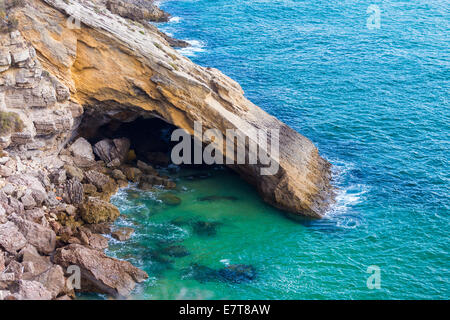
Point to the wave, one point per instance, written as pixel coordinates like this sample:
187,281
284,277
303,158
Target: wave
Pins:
175,19
342,213
196,46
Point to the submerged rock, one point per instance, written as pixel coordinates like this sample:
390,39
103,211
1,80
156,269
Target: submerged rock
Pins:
235,273
123,234
238,273
181,221
201,273
205,228
176,251
170,199
218,198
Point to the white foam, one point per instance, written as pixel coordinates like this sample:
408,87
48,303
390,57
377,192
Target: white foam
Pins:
195,47
175,19
348,195
226,262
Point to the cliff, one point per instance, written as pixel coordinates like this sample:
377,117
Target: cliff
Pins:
122,68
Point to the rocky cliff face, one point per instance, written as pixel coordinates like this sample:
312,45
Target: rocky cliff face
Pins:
54,68
122,69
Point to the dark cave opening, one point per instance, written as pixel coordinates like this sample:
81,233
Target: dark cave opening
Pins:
150,136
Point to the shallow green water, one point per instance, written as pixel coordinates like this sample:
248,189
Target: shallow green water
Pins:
292,260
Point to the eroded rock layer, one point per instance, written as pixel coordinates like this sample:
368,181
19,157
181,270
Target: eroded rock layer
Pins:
123,69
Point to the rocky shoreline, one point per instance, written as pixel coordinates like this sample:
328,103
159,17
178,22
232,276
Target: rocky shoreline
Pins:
55,215
70,70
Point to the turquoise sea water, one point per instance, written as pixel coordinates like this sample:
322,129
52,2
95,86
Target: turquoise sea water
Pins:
375,102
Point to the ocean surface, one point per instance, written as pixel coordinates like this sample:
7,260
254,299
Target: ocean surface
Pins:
376,103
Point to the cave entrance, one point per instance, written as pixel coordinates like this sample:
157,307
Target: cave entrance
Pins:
150,136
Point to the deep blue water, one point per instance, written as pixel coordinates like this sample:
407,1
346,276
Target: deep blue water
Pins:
376,103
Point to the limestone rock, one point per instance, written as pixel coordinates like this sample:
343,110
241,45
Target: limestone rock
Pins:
74,172
81,148
43,238
132,174
5,171
138,73
118,175
123,234
11,239
146,168
138,10
95,210
74,192
97,179
32,290
112,152
28,201
53,280
103,228
99,272
30,256
27,181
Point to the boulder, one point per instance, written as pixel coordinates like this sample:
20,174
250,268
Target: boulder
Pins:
82,149
14,206
118,175
95,241
43,238
6,171
132,174
39,264
146,168
53,280
28,201
31,290
170,199
74,191
103,228
58,176
11,239
97,179
28,181
36,215
99,272
112,152
95,210
123,234
74,172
